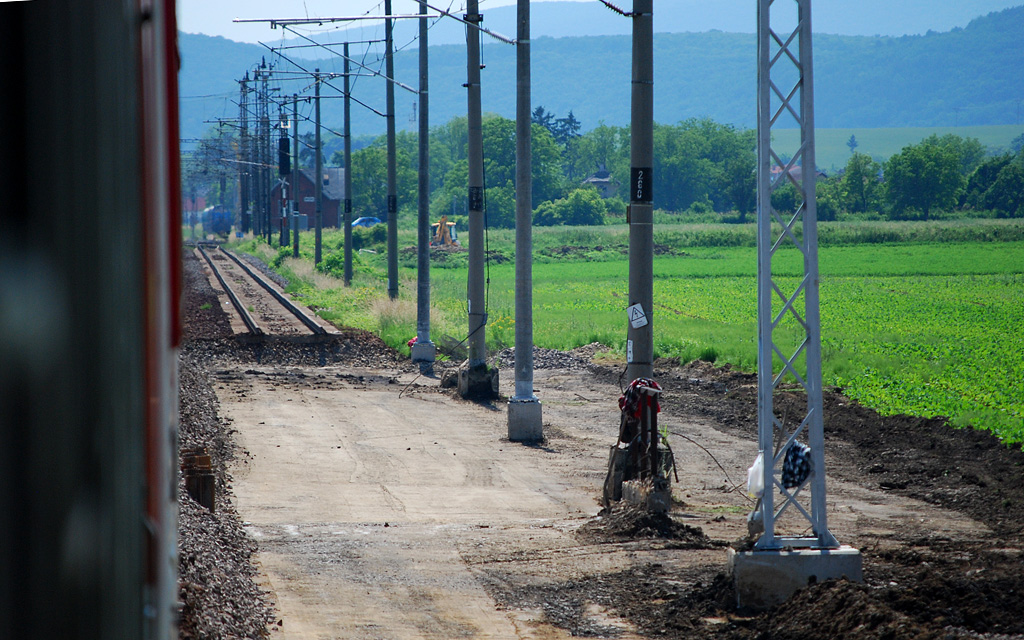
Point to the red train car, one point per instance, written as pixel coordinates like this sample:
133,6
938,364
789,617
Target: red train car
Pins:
89,323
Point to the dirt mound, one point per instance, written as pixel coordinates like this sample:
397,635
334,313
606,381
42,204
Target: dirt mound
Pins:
942,592
622,521
841,609
588,351
945,591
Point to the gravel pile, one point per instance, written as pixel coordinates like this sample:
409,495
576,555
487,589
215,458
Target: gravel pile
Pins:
353,347
217,579
576,360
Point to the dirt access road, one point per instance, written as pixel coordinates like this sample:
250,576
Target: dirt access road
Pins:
385,507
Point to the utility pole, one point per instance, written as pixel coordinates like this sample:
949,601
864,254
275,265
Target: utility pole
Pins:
786,310
423,350
284,143
476,380
389,64
524,409
265,157
348,176
639,333
244,166
257,182
295,176
319,170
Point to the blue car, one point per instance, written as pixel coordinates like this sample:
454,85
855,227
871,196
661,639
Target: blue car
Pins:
365,222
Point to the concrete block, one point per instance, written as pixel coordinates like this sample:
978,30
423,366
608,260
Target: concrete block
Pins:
424,352
766,578
646,496
525,420
478,383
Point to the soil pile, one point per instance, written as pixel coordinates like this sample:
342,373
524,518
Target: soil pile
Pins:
624,522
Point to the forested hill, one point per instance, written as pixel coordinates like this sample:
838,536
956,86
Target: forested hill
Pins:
968,76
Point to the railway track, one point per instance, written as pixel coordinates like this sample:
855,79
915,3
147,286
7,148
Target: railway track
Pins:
262,308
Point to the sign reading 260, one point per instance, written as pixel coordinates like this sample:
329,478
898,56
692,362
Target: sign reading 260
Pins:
640,183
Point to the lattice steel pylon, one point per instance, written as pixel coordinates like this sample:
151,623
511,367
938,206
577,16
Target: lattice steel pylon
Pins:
789,338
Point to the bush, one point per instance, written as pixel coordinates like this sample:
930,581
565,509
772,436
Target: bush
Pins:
282,253
582,207
333,264
364,238
786,198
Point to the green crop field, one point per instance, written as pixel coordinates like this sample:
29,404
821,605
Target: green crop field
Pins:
832,153
914,327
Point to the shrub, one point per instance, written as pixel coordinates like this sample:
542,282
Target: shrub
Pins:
364,238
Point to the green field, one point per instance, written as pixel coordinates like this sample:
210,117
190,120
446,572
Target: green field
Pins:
832,153
917,327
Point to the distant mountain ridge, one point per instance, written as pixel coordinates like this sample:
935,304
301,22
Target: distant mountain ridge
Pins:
969,75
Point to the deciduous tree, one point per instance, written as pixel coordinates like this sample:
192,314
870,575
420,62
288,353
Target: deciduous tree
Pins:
860,184
922,178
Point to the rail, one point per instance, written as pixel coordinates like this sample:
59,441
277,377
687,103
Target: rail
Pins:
285,302
247,319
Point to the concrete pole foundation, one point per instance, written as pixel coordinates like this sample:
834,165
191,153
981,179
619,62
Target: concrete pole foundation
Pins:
766,578
424,353
525,420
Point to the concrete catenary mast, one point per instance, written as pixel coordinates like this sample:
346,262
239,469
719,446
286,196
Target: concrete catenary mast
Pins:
423,350
524,409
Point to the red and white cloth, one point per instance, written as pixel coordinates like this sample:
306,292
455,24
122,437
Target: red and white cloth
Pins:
640,393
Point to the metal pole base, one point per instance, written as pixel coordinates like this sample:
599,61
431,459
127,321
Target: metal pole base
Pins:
764,579
478,383
525,420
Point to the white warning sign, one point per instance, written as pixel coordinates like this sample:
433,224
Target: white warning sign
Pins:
637,317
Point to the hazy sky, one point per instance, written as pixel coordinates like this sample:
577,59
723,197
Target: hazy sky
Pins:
214,17
848,17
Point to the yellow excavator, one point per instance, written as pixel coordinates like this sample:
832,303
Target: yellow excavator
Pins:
444,234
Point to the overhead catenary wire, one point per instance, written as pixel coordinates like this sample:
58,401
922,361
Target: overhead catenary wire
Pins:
374,72
287,23
356,100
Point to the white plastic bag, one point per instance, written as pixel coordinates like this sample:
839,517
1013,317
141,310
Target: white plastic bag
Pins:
755,477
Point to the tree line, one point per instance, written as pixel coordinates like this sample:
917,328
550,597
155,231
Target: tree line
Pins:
704,170
700,165
941,175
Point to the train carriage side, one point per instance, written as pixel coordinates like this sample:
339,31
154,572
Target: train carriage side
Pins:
89,323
